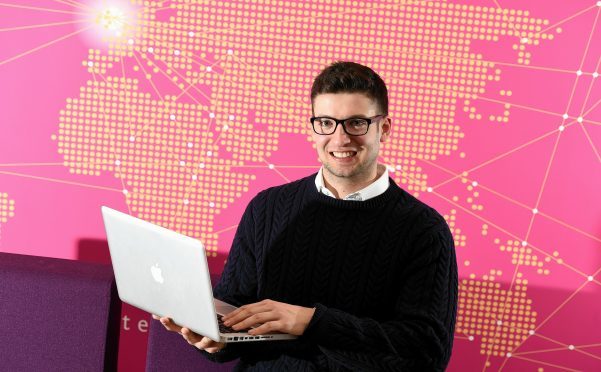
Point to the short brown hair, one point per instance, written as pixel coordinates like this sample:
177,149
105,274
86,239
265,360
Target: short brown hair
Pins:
351,77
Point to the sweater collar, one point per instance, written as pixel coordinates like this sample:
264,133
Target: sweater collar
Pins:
378,187
391,195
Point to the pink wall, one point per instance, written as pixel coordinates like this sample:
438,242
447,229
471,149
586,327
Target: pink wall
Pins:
192,109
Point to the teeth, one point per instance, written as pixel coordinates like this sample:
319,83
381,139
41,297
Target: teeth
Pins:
343,154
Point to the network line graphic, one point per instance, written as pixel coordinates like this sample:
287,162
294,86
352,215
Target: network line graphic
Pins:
183,110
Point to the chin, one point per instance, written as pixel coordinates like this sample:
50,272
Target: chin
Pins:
342,173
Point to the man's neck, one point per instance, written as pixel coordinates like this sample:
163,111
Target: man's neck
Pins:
341,188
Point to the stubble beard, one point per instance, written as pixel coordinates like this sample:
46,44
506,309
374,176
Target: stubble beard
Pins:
357,173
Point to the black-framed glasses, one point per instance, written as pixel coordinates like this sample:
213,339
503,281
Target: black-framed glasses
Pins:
324,125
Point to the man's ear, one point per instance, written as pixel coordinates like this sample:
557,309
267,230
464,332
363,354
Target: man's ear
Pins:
386,129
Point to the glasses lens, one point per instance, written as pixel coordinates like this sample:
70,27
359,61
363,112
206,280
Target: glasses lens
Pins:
356,126
324,125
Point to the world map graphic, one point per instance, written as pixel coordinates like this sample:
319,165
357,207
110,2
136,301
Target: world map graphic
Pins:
192,107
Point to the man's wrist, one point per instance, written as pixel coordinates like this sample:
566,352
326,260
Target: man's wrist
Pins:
308,315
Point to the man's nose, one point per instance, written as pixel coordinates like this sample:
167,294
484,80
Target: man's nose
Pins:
340,136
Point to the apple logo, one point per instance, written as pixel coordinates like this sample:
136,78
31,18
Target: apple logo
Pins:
157,273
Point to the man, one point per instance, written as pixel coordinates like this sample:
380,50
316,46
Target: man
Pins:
362,271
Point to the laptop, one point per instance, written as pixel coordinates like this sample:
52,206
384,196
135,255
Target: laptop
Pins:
166,273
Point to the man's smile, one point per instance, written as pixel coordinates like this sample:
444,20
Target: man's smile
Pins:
343,154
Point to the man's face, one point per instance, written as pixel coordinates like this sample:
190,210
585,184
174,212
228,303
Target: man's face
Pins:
349,158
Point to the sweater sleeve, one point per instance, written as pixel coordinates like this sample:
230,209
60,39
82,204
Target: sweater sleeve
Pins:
238,282
419,336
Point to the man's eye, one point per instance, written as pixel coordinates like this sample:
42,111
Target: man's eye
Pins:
356,122
326,123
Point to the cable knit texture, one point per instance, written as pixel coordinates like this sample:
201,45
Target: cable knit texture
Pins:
381,274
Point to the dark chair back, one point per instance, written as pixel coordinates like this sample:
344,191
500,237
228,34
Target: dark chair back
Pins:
57,315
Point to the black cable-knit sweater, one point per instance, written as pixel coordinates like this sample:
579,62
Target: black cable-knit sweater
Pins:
381,274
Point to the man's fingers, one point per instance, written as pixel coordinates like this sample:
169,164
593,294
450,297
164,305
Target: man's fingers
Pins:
256,319
209,345
245,312
169,325
270,316
206,342
190,336
268,327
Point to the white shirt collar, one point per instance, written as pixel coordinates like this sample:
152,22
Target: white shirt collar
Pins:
378,187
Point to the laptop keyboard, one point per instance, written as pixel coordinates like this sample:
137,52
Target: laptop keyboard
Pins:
225,329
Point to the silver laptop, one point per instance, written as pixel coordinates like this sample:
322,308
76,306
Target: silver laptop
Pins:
166,274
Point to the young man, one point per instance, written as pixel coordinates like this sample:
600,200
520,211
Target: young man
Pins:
362,271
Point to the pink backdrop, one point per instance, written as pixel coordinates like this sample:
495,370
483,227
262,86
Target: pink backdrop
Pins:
180,113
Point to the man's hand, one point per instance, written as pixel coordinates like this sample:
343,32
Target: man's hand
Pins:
203,343
271,316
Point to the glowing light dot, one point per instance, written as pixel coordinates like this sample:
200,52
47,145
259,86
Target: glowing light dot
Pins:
132,139
230,52
535,211
270,166
499,322
231,117
211,115
190,144
211,204
176,52
508,355
191,33
561,128
595,74
225,127
117,162
182,163
151,50
172,117
201,165
565,116
209,68
524,40
524,243
209,153
471,338
398,167
580,119
429,189
579,72
130,41
531,332
598,3
590,278
194,177
125,192
571,347
186,201
90,63
475,183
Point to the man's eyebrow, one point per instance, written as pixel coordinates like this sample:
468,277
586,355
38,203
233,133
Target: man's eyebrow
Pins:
356,116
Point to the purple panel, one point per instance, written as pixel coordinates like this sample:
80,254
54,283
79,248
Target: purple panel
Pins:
168,350
57,315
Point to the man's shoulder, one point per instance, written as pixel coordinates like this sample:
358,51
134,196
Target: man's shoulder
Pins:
286,190
421,213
